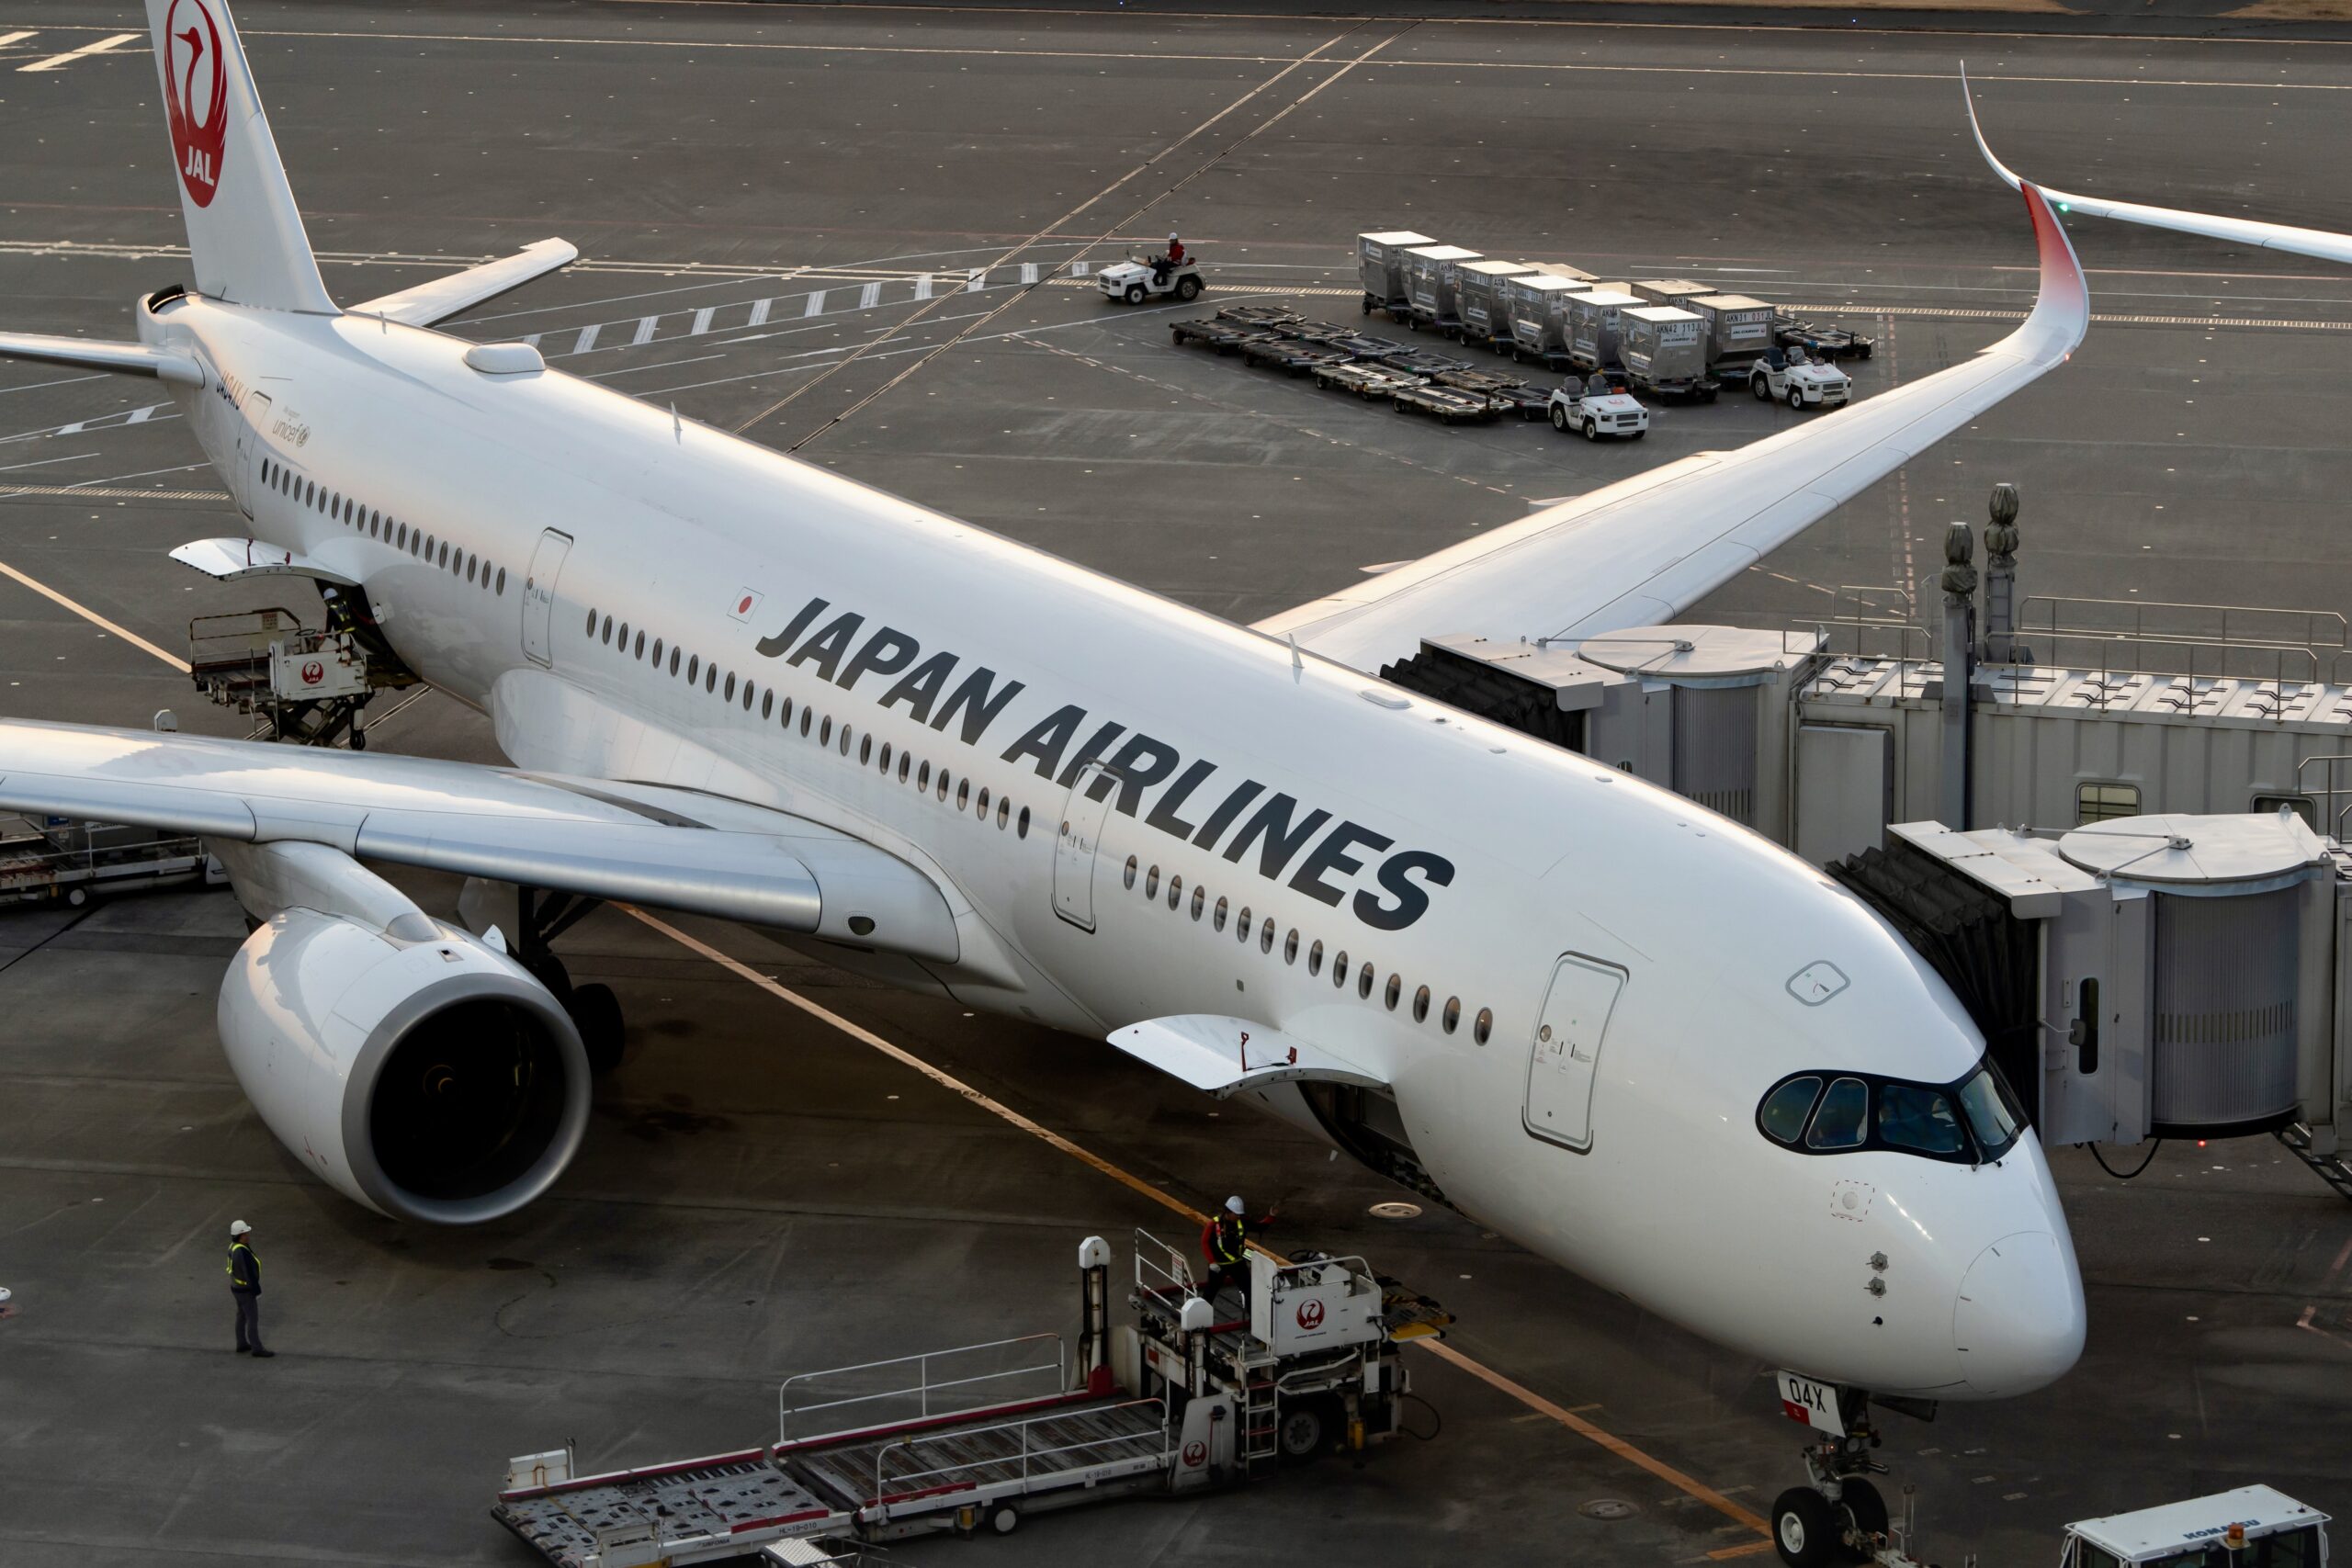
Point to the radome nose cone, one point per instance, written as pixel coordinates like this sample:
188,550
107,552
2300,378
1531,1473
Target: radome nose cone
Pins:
2018,1321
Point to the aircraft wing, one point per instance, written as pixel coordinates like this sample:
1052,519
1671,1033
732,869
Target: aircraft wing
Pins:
671,849
2237,230
1641,551
445,297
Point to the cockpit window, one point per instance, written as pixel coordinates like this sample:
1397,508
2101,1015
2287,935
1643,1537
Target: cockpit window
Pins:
1843,1116
1993,1116
1911,1117
1785,1108
1970,1122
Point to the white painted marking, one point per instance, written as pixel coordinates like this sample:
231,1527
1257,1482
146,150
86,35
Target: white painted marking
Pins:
760,313
644,330
8,38
1028,272
59,62
922,285
975,280
587,340
532,338
869,297
816,304
141,416
1081,269
702,321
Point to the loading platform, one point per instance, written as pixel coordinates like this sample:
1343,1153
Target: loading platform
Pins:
1196,1393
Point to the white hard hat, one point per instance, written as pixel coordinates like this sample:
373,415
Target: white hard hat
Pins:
239,1227
1234,1204
1172,233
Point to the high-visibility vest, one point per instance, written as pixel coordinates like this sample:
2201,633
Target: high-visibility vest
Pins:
234,1249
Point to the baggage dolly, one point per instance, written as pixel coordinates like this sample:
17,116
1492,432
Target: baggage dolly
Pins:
1192,1394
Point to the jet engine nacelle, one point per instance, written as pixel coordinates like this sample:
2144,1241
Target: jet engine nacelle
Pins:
414,1069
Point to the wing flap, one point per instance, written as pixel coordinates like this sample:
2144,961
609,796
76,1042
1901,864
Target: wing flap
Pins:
445,297
1644,550
733,860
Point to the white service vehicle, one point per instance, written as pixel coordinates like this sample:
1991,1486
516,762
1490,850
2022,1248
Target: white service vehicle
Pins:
1598,406
731,684
1797,379
1132,281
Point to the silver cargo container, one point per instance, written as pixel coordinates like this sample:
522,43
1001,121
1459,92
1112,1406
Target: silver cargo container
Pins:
1677,291
1433,275
1483,313
1562,269
1592,324
1737,327
1537,303
1664,348
1380,262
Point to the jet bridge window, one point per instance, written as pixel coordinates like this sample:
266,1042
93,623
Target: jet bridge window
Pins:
1970,1122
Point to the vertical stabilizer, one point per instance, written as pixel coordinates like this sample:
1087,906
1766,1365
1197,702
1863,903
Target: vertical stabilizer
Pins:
242,227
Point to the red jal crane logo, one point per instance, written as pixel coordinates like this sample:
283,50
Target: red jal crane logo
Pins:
1311,1315
1194,1454
195,96
313,672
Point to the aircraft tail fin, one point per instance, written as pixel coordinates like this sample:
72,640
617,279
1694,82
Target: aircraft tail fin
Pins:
243,230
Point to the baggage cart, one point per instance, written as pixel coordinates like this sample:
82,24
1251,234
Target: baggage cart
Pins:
1592,328
1442,403
1381,268
1663,349
1432,286
1289,355
1737,329
1819,339
1485,316
1538,306
1273,318
1508,394
1219,337
1366,381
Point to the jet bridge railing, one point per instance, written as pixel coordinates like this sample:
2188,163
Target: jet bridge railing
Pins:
937,1382
2200,642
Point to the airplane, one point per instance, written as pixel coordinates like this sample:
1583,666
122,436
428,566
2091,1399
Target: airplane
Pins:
2316,242
1629,1035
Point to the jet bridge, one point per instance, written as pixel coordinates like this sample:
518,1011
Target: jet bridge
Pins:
2116,829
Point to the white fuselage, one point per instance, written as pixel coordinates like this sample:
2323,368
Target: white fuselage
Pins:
1421,843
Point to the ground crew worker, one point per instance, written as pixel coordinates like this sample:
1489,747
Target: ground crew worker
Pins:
1163,265
1226,1242
245,1286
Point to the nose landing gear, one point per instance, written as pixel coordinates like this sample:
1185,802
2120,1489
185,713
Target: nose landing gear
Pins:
1841,1516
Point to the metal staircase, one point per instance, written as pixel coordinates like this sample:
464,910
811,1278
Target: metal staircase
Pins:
2329,1169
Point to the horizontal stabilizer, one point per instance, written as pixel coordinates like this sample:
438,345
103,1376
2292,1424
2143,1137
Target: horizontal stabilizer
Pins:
445,297
1226,1056
130,358
231,561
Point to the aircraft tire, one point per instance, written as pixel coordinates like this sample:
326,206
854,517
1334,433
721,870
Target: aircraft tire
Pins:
1803,1530
1865,1506
596,1012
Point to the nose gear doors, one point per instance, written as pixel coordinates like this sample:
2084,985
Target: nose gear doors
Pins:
1081,831
1564,1054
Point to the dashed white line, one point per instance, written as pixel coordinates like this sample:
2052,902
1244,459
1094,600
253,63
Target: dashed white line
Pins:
59,62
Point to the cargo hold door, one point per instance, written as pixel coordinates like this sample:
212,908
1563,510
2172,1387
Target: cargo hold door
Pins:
1564,1054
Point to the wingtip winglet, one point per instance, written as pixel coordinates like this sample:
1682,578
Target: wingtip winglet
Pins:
2062,310
1968,99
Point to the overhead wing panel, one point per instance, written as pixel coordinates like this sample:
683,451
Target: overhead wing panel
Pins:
1644,550
668,848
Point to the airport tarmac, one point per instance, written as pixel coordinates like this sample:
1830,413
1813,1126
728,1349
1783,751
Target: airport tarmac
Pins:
782,211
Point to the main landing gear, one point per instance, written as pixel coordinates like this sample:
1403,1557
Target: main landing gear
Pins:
1841,1516
596,1012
